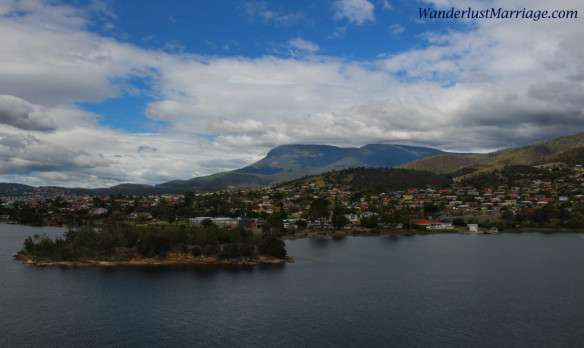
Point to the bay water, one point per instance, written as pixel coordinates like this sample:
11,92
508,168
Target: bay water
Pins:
508,290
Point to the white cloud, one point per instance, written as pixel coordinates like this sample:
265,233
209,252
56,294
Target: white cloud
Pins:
59,64
355,11
258,11
242,127
386,5
504,83
303,45
397,29
262,89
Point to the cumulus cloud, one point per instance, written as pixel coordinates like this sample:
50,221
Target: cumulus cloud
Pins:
263,89
355,11
61,62
24,115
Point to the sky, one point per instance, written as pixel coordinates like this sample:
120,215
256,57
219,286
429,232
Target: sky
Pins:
98,93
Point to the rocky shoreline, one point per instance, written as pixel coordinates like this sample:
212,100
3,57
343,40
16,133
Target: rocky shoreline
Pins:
171,259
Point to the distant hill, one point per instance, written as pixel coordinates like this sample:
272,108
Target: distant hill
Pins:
375,180
288,162
568,148
571,157
6,186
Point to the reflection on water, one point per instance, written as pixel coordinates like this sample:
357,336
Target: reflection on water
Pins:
320,242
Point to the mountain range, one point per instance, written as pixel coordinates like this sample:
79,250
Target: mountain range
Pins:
289,162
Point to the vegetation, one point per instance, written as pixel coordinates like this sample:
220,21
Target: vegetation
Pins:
545,217
519,175
319,210
377,180
569,149
570,157
124,241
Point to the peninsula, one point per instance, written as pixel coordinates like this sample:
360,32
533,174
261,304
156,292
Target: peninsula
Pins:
126,244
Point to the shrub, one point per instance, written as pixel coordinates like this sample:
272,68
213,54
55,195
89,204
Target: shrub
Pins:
152,244
196,251
273,246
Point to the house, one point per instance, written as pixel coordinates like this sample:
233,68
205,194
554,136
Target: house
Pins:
219,221
100,211
434,225
438,225
473,227
423,222
353,218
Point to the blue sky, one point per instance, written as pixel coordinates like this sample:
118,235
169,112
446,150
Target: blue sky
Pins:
253,30
96,93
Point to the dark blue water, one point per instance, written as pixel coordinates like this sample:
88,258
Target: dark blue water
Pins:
509,290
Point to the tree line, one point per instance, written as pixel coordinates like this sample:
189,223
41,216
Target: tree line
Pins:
123,241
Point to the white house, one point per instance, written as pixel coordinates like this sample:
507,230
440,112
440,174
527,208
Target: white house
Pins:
473,227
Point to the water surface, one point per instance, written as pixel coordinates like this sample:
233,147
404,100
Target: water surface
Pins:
509,290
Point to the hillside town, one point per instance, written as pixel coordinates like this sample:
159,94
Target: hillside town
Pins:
550,197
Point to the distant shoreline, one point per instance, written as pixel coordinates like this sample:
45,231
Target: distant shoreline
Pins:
405,232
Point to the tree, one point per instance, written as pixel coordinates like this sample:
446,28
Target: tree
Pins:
576,220
142,218
458,222
272,246
430,209
301,223
207,223
319,210
115,216
189,199
152,244
369,222
274,223
542,215
339,220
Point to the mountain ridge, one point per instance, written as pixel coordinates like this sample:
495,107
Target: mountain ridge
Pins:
289,162
541,152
